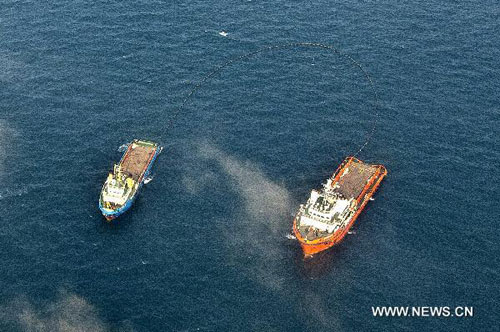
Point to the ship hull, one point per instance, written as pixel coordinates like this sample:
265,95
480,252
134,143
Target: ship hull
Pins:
110,215
113,214
315,246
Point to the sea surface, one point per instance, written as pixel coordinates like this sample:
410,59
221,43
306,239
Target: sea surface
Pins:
205,246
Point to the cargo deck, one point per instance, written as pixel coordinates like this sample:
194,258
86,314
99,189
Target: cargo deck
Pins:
136,159
352,181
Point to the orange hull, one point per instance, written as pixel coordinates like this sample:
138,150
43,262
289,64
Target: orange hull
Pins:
311,247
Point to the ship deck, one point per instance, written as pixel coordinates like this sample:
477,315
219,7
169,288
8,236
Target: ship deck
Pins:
136,159
354,178
352,183
310,234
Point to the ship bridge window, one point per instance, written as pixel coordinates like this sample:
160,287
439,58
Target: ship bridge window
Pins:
116,191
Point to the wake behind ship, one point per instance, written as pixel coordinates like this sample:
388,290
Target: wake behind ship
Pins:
123,184
330,212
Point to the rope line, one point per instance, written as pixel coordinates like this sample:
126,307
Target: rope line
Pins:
251,54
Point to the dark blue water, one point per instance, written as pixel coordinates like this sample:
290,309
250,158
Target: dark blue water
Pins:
204,248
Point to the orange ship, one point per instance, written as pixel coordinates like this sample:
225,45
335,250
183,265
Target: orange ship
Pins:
331,211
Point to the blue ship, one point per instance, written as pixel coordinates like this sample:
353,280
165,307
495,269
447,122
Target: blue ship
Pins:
123,185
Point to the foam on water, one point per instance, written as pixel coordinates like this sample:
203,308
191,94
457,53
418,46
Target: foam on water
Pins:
69,312
265,204
122,147
6,192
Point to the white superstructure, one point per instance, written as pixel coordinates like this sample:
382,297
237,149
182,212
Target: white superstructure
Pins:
117,189
326,210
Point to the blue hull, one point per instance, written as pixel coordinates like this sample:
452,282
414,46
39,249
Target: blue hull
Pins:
110,215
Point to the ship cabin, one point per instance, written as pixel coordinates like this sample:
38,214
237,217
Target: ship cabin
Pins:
325,212
117,189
